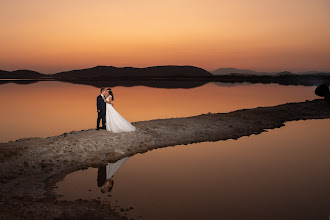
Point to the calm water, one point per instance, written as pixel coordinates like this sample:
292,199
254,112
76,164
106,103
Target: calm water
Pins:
280,174
276,175
51,108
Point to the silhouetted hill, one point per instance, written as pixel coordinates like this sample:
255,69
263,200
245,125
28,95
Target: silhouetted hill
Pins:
233,71
285,73
20,74
121,72
312,72
162,77
3,73
246,72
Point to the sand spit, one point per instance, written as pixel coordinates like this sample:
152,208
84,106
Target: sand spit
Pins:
30,167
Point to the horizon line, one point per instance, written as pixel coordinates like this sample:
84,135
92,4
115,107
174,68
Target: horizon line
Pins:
318,71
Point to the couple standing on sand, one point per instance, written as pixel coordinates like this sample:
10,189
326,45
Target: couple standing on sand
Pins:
111,119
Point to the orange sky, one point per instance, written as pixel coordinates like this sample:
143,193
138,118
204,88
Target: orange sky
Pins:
263,35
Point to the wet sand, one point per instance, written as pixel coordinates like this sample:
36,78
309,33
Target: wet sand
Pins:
30,167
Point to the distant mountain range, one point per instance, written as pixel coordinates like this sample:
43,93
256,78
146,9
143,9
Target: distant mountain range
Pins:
118,72
112,72
233,71
164,76
229,71
169,71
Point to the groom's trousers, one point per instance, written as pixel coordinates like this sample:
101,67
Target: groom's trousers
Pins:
101,115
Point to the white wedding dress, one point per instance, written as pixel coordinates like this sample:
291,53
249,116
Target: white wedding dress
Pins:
115,122
111,168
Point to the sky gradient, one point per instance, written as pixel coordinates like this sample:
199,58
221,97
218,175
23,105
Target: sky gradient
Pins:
263,35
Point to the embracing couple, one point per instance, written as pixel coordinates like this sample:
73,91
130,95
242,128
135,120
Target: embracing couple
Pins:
111,119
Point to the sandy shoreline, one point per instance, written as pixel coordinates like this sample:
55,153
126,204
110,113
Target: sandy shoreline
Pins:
31,166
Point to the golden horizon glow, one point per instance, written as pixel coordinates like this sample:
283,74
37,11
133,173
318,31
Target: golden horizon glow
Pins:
263,35
78,110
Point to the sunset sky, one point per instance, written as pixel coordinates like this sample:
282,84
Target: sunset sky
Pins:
263,35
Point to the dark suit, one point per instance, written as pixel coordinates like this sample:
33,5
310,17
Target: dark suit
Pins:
101,110
101,176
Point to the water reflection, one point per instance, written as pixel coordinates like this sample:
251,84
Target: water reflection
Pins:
51,108
279,174
158,83
105,174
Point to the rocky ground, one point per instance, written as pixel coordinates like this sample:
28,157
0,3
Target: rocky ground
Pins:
31,166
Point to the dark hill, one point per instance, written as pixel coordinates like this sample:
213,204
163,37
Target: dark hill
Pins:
234,71
20,74
285,73
3,73
119,72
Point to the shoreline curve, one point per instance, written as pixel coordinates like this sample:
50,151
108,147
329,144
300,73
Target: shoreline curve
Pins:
30,167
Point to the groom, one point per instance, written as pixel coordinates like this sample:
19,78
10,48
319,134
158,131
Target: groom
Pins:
101,109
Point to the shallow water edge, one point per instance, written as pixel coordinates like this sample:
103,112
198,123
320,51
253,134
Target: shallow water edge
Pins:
31,166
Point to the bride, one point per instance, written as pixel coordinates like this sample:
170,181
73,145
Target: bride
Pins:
114,121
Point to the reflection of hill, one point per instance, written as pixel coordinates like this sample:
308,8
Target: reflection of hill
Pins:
234,71
221,84
161,77
109,76
282,79
150,83
156,76
23,82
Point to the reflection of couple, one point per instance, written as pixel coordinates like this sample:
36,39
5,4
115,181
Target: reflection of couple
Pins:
105,174
111,119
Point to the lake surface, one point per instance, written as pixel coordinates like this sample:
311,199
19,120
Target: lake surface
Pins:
279,174
45,109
